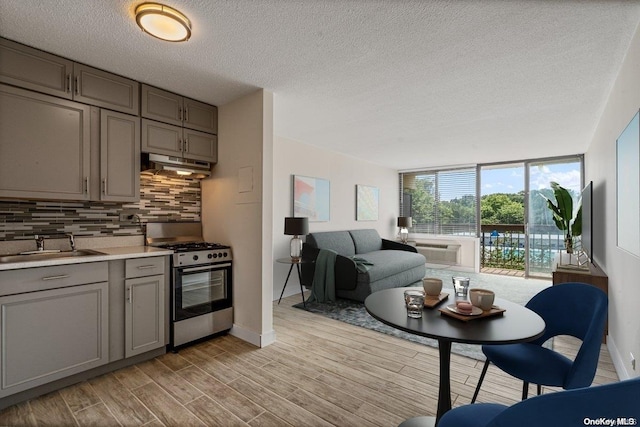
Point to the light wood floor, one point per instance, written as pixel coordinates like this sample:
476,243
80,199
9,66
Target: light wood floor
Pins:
320,372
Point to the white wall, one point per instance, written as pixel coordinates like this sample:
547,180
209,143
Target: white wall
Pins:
622,268
237,209
343,172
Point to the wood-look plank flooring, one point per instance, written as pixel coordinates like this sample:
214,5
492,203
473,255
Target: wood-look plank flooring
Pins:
320,372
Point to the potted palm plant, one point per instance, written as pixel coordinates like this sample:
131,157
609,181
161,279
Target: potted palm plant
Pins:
563,215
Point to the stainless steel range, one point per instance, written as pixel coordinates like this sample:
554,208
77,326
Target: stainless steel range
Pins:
201,281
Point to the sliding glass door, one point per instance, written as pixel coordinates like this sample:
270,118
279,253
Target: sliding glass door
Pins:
544,239
517,232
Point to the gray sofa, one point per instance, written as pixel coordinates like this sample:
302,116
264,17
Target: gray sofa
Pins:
393,264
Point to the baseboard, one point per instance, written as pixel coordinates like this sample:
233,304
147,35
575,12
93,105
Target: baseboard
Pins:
617,359
259,340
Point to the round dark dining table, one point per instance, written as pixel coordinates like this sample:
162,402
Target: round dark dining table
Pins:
517,324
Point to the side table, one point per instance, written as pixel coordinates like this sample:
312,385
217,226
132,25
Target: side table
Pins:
297,264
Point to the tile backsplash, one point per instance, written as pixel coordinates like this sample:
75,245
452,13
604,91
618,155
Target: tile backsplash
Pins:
162,199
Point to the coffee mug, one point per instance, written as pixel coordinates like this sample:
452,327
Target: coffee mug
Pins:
482,298
432,286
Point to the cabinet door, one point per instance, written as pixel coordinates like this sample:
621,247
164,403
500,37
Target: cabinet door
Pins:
44,146
33,69
161,138
200,146
200,116
97,87
52,334
119,157
161,105
144,314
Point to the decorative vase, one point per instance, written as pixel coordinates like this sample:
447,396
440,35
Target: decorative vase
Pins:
568,244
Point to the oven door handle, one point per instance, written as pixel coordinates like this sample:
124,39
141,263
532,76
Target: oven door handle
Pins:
208,267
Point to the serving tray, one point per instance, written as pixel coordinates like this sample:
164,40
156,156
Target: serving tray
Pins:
495,311
432,301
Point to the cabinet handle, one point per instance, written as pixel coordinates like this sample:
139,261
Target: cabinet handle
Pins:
86,185
62,276
129,295
180,114
185,148
186,114
69,83
104,186
145,267
179,145
77,87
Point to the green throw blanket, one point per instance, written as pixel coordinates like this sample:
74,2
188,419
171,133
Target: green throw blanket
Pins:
362,264
324,283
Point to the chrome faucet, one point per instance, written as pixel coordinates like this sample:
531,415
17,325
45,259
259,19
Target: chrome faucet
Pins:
39,242
72,241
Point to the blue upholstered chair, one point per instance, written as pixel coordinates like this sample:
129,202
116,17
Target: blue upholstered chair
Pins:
616,401
574,309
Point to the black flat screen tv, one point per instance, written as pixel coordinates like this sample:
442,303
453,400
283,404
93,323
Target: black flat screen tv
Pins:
587,221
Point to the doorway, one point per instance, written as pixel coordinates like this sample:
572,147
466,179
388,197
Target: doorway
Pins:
517,234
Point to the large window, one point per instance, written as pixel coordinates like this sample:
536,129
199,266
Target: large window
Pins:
440,201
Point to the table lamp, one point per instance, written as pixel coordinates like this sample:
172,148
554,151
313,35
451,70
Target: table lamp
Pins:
404,222
296,227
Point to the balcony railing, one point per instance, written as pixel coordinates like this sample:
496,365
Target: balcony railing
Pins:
503,246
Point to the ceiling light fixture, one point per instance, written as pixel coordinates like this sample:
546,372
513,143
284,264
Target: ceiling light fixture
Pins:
163,22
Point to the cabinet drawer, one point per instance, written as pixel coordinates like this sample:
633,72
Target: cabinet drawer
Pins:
140,267
59,276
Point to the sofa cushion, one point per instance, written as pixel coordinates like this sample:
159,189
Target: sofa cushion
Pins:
339,241
366,240
389,263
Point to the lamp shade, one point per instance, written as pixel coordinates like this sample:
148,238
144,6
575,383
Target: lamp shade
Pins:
404,221
296,226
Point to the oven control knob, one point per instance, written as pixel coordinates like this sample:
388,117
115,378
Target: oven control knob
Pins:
210,256
215,255
225,254
195,257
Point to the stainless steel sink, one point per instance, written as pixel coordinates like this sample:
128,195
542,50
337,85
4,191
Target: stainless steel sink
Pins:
43,256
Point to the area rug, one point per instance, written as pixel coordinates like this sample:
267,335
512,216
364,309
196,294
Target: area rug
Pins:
514,289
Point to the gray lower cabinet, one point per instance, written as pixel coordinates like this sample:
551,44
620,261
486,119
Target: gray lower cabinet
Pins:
44,146
171,140
145,305
40,71
57,326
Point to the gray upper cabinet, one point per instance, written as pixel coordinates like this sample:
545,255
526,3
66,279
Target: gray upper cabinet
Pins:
167,107
171,140
33,69
97,87
44,146
119,156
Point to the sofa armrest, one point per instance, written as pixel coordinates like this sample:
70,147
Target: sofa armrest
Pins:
390,244
346,274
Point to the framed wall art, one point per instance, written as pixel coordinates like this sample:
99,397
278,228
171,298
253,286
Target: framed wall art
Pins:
311,198
367,199
628,187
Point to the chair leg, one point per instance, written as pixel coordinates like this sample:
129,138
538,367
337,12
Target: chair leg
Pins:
539,389
484,372
525,390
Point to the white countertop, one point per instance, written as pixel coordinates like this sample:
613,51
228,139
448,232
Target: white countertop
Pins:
104,254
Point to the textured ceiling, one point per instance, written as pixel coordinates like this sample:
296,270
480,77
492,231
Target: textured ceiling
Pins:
405,84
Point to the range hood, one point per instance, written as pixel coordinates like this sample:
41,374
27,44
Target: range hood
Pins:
158,164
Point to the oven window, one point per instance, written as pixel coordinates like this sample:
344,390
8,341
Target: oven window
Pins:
203,287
